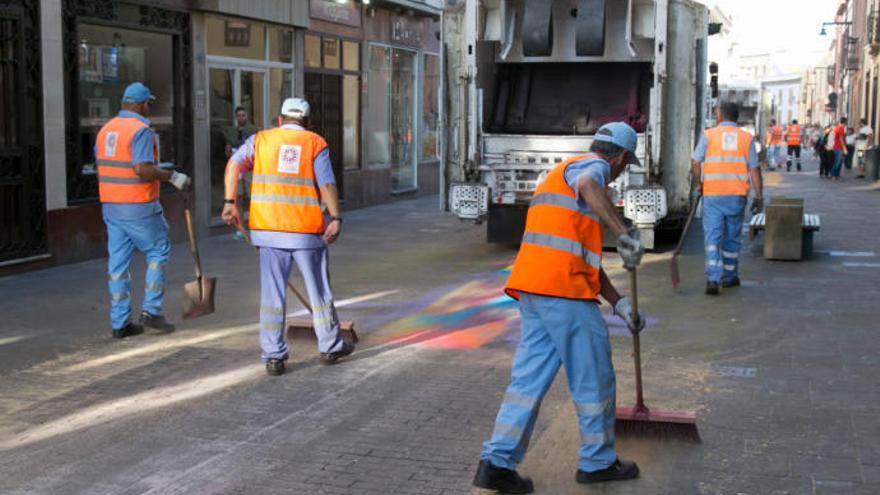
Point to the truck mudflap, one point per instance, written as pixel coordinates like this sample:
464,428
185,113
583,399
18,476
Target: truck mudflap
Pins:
469,201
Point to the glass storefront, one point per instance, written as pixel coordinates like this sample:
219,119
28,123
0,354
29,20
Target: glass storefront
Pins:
403,98
429,115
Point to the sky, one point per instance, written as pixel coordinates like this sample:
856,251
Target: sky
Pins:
761,26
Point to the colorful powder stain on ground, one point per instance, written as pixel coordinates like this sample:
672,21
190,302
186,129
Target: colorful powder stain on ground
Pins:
467,317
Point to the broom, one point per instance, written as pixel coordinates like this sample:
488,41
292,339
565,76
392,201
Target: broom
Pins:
639,421
673,265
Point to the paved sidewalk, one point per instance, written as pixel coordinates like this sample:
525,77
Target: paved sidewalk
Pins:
782,371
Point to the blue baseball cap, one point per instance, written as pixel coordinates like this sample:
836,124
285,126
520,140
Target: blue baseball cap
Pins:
621,134
137,93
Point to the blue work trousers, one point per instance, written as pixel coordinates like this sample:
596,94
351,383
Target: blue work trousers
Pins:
837,163
148,235
275,266
722,232
558,332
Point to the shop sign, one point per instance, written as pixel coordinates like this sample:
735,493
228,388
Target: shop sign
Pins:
407,30
238,33
348,12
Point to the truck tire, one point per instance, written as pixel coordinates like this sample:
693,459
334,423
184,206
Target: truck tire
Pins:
506,224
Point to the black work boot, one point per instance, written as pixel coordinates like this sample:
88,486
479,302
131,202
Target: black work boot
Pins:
128,330
156,322
712,288
620,470
491,477
275,367
332,357
730,283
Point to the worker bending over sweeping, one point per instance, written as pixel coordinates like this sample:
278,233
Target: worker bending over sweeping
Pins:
558,278
292,176
723,162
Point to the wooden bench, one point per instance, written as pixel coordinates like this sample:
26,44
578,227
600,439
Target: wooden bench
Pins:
809,224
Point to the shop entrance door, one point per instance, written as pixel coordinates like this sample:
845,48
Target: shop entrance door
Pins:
230,88
403,116
22,194
324,94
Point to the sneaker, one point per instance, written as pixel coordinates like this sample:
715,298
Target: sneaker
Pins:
620,470
729,283
128,330
275,367
332,357
502,480
712,288
156,322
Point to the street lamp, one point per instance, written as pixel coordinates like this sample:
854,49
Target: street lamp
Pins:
823,32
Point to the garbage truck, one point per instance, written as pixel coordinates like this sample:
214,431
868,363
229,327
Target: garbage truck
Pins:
529,82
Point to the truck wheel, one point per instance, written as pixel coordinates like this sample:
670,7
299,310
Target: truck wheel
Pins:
506,224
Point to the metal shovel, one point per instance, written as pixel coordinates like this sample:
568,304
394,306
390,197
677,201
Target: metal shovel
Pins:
198,295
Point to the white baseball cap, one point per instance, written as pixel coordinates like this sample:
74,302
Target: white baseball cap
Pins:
295,107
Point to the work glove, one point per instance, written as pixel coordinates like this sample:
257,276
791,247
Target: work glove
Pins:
630,248
623,309
757,206
180,180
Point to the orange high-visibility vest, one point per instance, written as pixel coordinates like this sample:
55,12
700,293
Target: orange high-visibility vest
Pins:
284,193
793,135
775,134
561,250
117,180
726,167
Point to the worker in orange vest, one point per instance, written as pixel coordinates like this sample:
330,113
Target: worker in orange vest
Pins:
774,144
793,139
724,162
558,278
292,176
127,155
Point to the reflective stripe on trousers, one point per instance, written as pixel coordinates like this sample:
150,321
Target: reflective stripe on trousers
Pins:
148,235
558,332
722,233
275,267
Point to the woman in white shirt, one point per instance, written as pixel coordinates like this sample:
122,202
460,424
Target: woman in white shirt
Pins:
864,141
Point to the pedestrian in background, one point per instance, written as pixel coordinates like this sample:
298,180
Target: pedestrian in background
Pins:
850,147
127,153
724,164
558,278
824,148
838,148
864,142
774,144
793,139
292,177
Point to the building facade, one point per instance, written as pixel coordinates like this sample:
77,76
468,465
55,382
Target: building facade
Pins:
371,71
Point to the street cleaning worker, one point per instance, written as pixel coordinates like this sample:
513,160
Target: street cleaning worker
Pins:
723,162
774,144
793,141
292,176
126,152
558,278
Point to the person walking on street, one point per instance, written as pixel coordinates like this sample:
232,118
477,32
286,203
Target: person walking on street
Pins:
292,176
864,142
838,138
793,138
850,147
723,163
558,278
825,152
127,153
774,144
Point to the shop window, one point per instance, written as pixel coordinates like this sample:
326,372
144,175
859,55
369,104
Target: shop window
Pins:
111,58
350,129
313,50
378,119
351,56
280,44
236,38
403,106
332,55
429,115
279,90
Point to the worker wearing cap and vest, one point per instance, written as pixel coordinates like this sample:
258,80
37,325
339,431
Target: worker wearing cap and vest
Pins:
724,164
126,152
557,278
775,136
793,141
292,177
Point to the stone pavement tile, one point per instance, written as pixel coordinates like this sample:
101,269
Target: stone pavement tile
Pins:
719,483
844,488
827,468
871,473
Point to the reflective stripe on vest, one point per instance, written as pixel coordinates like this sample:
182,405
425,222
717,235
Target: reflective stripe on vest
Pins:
561,250
794,135
284,193
725,168
117,180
